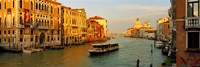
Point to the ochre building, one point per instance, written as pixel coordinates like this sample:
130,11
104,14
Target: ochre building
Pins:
38,23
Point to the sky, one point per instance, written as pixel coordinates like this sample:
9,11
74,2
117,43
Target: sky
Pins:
121,14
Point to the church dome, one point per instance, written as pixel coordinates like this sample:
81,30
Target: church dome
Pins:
147,24
137,24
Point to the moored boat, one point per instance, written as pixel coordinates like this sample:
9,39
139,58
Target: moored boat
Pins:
29,51
159,44
103,48
38,49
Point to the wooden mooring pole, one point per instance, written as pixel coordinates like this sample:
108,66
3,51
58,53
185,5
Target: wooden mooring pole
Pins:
138,62
151,65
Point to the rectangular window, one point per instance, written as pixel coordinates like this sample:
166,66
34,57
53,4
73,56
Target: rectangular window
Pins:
13,3
13,21
8,31
20,3
8,40
5,5
13,31
31,39
13,40
21,39
0,22
36,38
0,5
193,39
5,22
4,39
5,32
193,8
31,32
21,32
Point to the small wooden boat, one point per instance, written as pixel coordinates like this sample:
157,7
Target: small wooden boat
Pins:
103,48
38,50
57,47
159,44
29,51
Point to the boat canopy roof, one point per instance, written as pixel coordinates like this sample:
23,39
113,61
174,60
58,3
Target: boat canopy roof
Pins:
113,43
104,44
100,44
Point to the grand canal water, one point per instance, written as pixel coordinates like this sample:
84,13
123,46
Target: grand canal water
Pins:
130,49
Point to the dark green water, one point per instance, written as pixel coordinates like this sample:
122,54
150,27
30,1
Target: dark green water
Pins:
130,50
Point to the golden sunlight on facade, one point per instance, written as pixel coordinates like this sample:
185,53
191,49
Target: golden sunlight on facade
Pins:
141,30
75,26
101,21
28,22
137,24
40,23
163,28
97,29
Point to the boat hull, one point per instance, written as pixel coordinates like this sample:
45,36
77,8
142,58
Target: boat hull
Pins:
103,48
98,53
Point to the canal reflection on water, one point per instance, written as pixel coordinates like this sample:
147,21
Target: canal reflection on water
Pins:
130,49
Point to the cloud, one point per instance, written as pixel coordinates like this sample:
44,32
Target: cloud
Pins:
130,7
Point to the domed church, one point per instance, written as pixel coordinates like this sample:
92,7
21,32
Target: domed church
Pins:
137,24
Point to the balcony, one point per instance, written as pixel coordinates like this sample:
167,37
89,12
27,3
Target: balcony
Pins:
43,27
83,32
73,25
192,22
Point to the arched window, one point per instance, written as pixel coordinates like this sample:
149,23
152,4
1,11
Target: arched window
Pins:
36,5
5,5
42,6
48,38
39,6
13,3
58,10
42,23
13,21
21,20
45,7
48,23
31,5
5,22
51,9
45,23
20,3
0,22
31,21
51,22
0,5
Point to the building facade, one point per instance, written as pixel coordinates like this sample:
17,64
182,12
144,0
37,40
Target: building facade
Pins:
95,31
30,22
187,32
101,21
163,26
74,25
141,30
40,23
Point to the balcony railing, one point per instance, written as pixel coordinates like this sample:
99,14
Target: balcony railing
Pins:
74,25
192,22
43,27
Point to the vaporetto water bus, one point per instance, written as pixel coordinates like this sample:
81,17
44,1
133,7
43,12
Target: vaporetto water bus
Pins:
103,48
